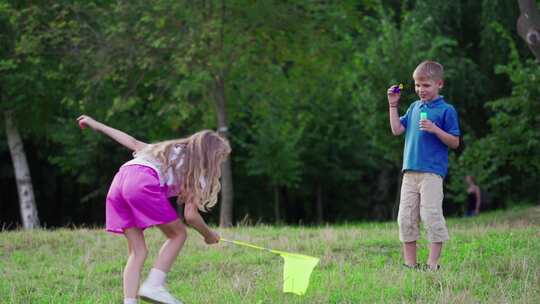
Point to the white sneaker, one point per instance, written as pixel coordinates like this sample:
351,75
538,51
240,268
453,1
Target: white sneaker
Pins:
156,294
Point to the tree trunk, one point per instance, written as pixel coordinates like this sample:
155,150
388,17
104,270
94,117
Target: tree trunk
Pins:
528,25
277,214
27,202
320,216
227,192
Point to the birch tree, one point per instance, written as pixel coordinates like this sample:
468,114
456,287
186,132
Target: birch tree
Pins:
27,201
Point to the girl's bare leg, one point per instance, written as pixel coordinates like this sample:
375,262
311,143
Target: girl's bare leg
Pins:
137,255
176,234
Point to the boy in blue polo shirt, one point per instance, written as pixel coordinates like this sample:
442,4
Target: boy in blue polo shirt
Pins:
431,127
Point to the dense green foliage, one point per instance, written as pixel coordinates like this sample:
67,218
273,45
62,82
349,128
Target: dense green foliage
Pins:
305,86
492,258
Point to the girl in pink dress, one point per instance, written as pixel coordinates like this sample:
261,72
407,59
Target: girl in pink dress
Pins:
189,168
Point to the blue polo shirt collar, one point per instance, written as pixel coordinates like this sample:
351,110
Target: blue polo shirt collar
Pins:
432,103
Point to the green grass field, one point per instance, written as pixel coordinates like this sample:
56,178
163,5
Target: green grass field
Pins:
494,258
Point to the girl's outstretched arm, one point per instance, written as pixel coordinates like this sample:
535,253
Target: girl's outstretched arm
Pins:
124,139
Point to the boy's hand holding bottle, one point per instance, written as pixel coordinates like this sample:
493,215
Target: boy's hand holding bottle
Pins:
426,124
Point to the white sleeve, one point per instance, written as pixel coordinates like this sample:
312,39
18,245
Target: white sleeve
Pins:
202,182
174,155
175,152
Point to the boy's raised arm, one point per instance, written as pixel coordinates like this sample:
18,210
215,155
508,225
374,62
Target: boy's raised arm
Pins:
122,138
393,104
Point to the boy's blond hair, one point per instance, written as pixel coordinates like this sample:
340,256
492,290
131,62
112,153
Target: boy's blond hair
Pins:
430,70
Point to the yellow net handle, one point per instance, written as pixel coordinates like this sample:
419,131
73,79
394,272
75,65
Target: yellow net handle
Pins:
246,245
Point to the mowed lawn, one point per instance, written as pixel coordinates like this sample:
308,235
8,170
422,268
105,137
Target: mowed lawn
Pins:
494,258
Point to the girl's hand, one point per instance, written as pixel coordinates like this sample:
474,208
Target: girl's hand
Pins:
393,97
212,238
86,121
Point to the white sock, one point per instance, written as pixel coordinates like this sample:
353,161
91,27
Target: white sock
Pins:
156,277
130,301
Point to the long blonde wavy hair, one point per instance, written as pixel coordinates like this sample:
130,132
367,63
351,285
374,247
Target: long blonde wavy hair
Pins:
201,157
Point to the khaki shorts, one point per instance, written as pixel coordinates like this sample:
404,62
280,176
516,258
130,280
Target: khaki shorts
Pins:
421,199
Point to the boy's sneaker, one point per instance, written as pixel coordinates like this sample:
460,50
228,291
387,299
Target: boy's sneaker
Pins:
157,295
415,266
428,267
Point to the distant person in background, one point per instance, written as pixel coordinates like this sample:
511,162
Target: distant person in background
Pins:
474,196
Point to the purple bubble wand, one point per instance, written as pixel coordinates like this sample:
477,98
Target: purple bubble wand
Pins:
397,89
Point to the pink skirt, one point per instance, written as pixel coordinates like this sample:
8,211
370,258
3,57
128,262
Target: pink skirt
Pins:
136,199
